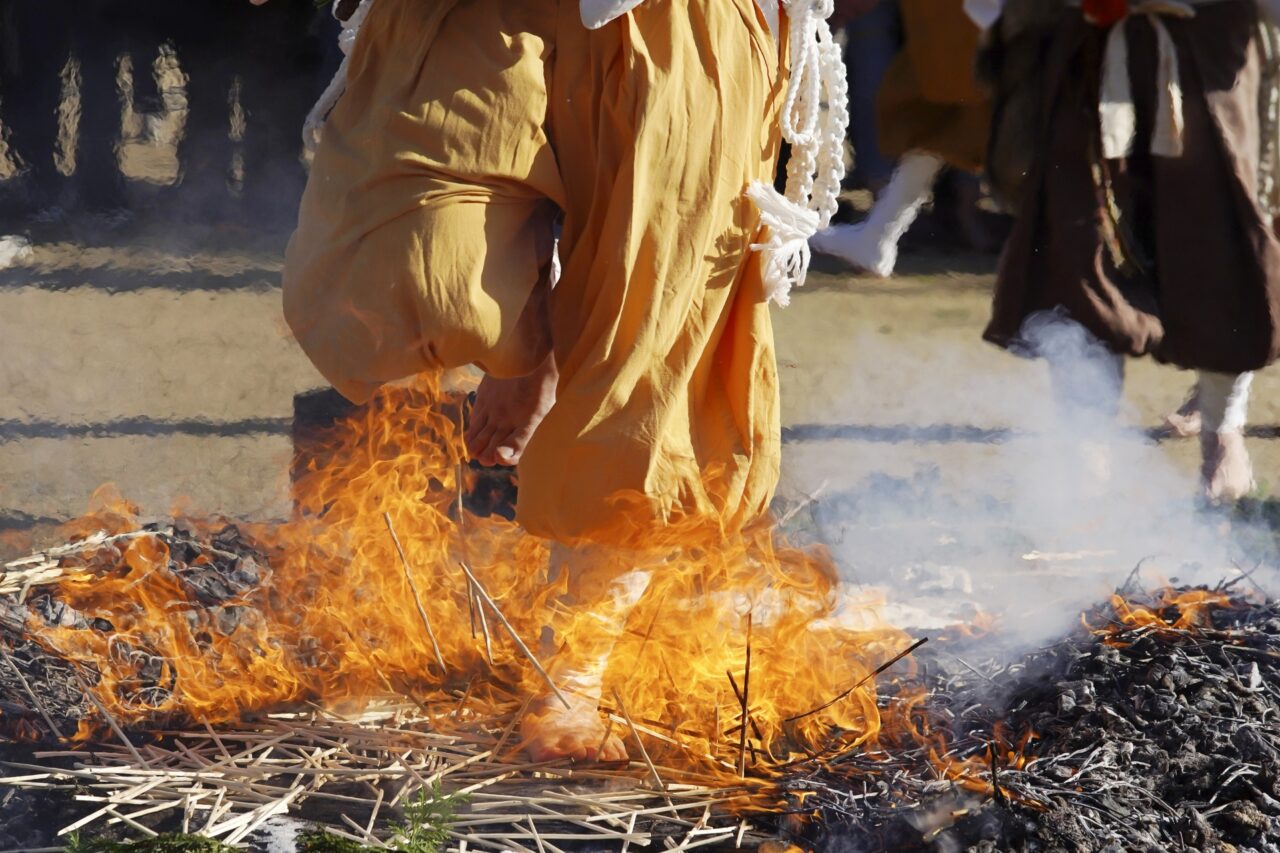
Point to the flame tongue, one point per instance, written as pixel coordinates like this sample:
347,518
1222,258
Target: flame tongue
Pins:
342,617
1173,610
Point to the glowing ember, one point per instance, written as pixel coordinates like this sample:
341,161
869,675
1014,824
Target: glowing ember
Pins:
1175,610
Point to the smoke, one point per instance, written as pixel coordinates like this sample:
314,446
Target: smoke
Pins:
1027,489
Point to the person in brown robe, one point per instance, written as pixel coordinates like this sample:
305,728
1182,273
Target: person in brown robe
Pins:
1140,219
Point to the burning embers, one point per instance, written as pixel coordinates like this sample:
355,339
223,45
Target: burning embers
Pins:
104,622
742,672
383,586
1151,728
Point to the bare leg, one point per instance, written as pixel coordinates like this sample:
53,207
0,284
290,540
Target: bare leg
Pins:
1225,470
507,411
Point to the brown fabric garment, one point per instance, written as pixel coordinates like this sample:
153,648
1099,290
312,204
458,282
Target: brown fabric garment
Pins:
929,99
1199,284
1011,68
941,44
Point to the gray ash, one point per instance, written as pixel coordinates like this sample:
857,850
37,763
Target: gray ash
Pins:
1122,736
218,574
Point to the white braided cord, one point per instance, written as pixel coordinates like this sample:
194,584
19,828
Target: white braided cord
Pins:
814,121
329,98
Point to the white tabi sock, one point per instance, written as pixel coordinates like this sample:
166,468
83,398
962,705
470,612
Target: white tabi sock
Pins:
579,673
872,244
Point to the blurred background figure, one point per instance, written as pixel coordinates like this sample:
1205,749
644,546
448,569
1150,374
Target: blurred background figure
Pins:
873,37
115,113
197,107
57,89
249,85
915,109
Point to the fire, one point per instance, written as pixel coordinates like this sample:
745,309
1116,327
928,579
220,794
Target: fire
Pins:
1174,610
341,617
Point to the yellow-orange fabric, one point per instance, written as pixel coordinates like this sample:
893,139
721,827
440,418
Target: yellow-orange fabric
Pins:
930,99
466,128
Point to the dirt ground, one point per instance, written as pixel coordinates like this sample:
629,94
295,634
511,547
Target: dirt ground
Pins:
161,364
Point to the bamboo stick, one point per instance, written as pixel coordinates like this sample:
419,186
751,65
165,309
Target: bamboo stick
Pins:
145,830
608,730
417,599
890,662
511,727
644,753
367,836
111,721
31,694
746,705
373,816
486,599
484,630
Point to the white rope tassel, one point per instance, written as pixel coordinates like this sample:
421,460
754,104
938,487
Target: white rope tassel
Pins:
815,120
329,98
786,252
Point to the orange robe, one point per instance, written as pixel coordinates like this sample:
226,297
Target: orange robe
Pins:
467,127
930,99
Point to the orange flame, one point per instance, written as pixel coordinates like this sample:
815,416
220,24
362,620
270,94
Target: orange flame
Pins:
338,623
1174,611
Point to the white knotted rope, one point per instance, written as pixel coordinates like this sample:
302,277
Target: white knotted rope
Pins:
346,40
815,119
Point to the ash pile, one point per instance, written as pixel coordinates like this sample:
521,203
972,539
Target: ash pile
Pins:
216,578
1155,726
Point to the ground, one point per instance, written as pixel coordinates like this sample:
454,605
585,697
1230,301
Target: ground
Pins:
163,365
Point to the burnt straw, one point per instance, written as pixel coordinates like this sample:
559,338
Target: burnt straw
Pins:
1153,725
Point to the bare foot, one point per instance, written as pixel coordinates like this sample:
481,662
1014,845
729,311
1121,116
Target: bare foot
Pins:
551,731
1225,470
1185,423
506,413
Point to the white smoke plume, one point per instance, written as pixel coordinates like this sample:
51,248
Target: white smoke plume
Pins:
1029,500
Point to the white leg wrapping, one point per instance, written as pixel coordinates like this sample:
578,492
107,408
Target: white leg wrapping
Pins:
1224,400
872,244
603,586
582,675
